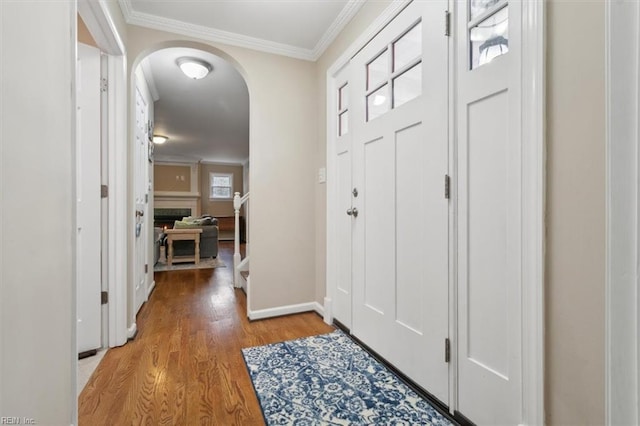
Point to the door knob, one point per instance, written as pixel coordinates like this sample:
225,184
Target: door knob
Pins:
353,212
139,213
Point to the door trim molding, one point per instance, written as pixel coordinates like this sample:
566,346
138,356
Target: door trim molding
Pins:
102,28
622,92
118,246
533,219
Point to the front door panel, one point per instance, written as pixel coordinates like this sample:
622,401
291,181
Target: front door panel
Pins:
400,236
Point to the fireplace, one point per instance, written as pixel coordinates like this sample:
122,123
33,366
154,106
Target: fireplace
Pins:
169,208
165,217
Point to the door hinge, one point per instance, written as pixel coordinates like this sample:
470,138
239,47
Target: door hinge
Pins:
104,84
146,268
447,23
104,297
104,191
447,350
447,187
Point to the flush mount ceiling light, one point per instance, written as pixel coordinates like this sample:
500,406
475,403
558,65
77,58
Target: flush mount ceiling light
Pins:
194,68
159,139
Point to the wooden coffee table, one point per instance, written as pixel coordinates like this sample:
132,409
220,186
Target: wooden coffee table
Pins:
182,234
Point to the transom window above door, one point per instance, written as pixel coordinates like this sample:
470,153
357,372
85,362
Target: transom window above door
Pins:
488,26
394,75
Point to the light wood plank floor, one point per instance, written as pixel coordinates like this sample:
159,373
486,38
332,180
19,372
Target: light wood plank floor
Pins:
185,366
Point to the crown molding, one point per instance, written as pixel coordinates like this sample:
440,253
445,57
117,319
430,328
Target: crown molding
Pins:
222,163
205,33
163,159
348,12
147,20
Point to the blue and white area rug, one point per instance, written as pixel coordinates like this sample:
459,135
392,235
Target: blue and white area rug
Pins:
330,380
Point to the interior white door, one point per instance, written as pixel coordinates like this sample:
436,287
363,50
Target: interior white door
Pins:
489,188
88,241
141,198
342,297
400,233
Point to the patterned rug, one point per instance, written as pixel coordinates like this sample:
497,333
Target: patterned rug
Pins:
212,262
330,380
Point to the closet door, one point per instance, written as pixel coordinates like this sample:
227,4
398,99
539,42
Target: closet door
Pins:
400,234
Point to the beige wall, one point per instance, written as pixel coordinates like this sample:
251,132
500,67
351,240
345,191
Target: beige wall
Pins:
218,208
283,149
171,178
575,340
37,150
84,36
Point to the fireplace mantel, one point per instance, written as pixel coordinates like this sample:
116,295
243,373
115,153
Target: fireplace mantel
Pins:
178,200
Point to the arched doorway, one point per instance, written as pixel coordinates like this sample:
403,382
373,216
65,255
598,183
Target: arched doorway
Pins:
206,122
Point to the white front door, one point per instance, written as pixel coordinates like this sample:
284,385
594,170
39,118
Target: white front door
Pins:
141,198
88,241
489,188
399,119
342,297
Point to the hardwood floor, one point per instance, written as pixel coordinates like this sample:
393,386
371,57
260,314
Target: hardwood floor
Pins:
185,366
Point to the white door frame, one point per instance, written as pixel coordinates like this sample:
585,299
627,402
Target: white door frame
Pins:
534,206
102,28
534,192
622,88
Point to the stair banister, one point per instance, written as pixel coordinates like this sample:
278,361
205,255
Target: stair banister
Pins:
238,201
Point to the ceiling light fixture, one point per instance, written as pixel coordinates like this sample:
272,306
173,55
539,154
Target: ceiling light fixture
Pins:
194,68
159,139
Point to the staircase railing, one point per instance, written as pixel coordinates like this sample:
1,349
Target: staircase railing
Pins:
238,263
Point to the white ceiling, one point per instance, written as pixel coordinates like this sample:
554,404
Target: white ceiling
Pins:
205,119
208,119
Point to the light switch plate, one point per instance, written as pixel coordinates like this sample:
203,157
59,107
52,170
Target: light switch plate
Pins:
322,175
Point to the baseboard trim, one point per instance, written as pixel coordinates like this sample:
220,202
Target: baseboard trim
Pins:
150,289
286,310
132,331
328,310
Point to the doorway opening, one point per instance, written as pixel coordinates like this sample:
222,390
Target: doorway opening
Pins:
190,159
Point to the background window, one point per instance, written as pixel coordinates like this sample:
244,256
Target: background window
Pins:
221,186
